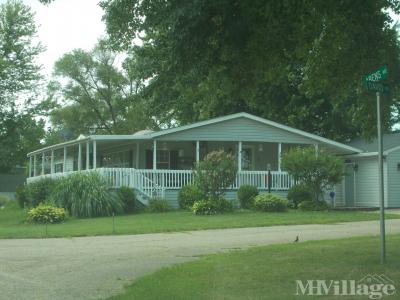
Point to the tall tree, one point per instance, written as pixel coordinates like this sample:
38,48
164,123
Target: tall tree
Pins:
296,62
95,93
19,77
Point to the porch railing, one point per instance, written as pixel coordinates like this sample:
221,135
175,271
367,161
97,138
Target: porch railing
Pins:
118,177
155,182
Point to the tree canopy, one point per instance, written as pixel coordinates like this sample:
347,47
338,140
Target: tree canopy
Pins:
295,62
19,78
94,94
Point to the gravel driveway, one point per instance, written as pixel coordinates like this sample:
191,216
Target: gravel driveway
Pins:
98,267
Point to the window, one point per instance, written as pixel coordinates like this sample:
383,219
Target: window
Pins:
162,159
58,167
120,159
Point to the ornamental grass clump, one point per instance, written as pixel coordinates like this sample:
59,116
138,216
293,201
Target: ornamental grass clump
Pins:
86,195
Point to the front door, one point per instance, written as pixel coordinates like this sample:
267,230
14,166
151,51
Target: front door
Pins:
349,186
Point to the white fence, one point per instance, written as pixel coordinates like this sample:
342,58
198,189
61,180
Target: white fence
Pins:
155,182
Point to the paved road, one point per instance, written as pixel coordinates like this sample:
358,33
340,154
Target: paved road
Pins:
98,267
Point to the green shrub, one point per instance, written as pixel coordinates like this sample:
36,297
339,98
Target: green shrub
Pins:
318,172
212,206
313,205
128,198
246,195
39,191
21,196
299,193
215,173
270,203
3,200
188,195
46,214
159,205
223,205
204,207
86,195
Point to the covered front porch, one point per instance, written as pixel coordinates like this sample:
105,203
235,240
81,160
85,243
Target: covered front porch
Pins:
94,153
153,166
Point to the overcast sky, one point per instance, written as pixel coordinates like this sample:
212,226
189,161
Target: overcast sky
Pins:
65,25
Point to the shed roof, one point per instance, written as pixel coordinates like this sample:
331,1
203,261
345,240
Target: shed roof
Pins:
390,141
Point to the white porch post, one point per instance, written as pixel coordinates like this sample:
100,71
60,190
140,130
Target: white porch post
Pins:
43,157
65,160
94,155
34,165
316,150
240,156
30,166
87,155
80,157
197,151
154,155
239,163
52,162
279,156
137,155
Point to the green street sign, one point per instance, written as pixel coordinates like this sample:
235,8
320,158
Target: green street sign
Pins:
377,87
378,75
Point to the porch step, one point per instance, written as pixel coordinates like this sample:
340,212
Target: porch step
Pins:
141,197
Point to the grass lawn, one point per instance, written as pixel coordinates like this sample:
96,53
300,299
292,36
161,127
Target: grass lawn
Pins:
12,222
270,272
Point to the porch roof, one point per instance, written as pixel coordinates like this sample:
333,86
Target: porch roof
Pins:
150,135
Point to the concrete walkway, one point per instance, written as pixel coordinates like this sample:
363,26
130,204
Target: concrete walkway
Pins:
98,267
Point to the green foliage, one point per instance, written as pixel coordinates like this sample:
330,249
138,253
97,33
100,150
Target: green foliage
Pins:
215,173
204,207
18,52
231,66
20,196
46,214
212,206
98,95
38,191
3,200
20,132
128,198
313,205
299,193
159,205
270,203
246,195
318,171
86,195
189,194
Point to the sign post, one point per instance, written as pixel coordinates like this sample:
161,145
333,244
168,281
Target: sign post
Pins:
380,166
372,83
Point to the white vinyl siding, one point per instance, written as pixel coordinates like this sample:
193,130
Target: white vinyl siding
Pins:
393,183
240,129
339,199
367,191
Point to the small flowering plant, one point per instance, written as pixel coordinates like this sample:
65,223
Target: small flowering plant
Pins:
46,214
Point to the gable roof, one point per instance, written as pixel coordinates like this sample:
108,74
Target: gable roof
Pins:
390,141
150,135
257,119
